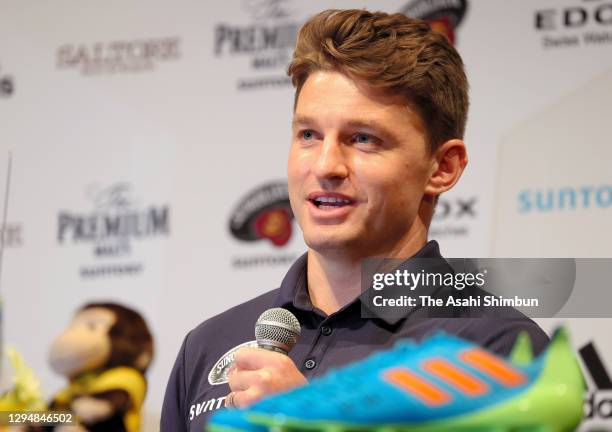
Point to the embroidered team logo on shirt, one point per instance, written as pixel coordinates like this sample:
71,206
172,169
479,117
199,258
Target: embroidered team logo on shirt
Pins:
218,373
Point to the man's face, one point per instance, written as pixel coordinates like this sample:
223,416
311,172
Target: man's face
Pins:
358,167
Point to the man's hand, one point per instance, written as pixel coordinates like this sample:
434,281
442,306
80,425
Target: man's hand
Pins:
258,373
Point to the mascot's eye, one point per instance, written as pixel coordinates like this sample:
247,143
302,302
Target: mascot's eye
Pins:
92,325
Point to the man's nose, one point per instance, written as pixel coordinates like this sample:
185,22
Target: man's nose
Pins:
332,161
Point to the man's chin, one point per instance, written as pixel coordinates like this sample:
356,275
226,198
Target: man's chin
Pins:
333,244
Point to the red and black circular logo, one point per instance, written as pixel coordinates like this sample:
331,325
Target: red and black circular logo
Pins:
264,213
444,16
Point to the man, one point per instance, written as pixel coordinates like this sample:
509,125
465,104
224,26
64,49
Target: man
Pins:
380,111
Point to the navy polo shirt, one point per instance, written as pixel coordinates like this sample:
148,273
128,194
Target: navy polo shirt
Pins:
197,385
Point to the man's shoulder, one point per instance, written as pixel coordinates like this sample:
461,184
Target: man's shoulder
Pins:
497,334
235,321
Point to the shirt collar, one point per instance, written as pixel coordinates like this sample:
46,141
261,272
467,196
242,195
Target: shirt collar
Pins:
294,287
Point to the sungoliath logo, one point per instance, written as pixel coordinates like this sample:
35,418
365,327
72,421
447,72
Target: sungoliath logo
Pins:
598,405
267,42
116,221
265,213
135,55
7,84
218,373
444,16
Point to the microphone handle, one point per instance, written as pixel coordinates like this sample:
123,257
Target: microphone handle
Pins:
271,347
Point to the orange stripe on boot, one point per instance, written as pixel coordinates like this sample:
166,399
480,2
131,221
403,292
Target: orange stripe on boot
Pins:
456,377
418,387
494,367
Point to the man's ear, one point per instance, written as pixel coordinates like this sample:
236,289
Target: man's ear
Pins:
448,164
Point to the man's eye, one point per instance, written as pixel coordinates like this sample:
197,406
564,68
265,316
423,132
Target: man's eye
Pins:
307,134
363,138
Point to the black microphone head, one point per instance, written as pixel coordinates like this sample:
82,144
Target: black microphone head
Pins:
277,329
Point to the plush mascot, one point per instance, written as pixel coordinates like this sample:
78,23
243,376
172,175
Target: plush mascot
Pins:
104,353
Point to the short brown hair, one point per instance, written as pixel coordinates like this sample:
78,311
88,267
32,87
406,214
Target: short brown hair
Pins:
393,53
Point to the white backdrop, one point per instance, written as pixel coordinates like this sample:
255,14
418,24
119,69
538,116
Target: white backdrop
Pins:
170,115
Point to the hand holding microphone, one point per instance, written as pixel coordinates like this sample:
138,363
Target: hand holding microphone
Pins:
259,372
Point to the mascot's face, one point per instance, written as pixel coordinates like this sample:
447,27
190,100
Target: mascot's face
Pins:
85,345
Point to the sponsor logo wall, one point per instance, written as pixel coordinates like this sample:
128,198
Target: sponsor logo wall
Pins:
552,197
149,150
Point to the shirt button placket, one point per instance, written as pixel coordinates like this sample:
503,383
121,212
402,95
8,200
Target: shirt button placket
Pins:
310,364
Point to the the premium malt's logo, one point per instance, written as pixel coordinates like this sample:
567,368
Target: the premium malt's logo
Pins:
267,41
116,221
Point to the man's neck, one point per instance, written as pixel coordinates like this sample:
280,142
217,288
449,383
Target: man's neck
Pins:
334,279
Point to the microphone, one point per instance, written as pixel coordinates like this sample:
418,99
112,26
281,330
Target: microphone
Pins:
278,330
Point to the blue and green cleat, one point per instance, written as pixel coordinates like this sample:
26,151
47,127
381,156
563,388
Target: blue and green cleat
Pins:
443,384
234,420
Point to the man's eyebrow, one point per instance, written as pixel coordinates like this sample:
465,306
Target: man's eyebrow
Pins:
364,124
367,124
301,119
372,125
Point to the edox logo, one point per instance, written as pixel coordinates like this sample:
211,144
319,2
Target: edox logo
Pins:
598,404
